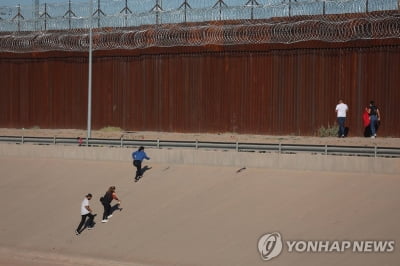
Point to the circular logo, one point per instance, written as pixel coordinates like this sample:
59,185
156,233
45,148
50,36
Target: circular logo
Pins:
270,245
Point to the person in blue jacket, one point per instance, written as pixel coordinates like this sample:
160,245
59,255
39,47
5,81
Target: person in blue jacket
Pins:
138,156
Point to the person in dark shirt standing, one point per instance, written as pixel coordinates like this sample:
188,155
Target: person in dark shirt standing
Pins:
374,118
138,156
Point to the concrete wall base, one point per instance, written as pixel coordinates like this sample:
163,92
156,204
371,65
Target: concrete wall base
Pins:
299,161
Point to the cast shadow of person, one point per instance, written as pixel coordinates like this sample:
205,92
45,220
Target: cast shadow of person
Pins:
114,208
144,169
89,224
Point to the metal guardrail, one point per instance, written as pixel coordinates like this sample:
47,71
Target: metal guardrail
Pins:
364,151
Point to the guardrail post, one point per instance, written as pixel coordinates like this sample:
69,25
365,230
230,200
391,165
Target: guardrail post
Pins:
326,149
22,140
158,143
279,148
54,140
375,151
237,146
122,141
197,144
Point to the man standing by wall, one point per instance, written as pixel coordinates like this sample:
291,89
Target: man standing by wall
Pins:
341,110
374,118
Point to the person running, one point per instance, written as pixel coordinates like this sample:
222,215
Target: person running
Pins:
86,211
106,201
138,156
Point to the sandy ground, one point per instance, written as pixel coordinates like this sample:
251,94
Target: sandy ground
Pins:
189,215
223,137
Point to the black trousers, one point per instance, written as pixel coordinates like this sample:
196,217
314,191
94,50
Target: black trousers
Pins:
138,165
83,219
107,210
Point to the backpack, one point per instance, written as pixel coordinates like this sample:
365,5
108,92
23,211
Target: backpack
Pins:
107,198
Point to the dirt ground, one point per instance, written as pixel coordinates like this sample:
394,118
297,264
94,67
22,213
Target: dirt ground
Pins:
223,137
189,215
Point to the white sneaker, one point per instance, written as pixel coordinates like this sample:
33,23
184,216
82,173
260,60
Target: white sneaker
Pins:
109,216
104,221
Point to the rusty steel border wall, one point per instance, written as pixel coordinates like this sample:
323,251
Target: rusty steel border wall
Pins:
267,88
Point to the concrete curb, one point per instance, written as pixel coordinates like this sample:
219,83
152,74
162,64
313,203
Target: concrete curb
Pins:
299,161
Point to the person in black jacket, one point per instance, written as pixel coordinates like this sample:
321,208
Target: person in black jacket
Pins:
106,201
374,118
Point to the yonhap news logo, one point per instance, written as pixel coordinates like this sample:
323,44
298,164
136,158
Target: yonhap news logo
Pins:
270,245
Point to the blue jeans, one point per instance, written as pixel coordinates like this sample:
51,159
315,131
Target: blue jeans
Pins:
341,121
373,119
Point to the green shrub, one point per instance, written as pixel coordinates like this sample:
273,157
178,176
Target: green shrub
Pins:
330,131
111,129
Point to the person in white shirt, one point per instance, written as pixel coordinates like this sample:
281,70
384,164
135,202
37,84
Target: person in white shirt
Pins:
341,110
86,211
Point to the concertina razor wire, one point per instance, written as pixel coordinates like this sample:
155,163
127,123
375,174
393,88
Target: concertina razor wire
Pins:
249,24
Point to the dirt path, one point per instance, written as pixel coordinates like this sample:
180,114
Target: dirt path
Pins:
189,215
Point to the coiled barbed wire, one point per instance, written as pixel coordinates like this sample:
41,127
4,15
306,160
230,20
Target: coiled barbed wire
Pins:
328,28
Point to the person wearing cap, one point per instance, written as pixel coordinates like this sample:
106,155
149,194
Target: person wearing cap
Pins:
86,211
138,156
